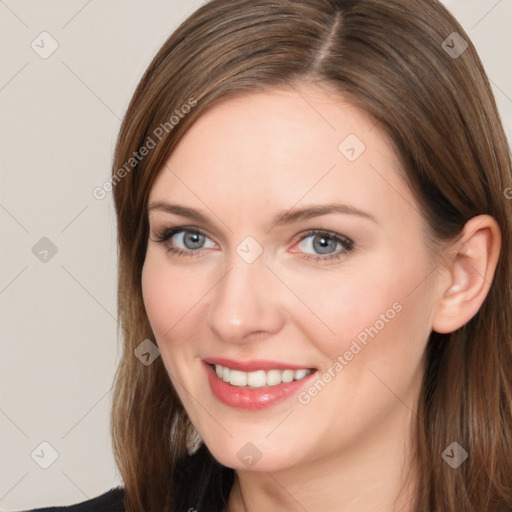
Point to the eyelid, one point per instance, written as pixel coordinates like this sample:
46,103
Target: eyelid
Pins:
170,231
331,234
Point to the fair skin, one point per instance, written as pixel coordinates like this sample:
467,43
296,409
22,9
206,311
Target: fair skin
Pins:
242,162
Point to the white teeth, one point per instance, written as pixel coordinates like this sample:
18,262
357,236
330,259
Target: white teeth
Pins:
256,379
259,378
288,375
273,377
299,374
237,378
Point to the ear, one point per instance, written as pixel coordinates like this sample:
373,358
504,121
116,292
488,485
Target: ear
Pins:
472,263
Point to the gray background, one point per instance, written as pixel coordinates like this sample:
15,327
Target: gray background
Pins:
59,120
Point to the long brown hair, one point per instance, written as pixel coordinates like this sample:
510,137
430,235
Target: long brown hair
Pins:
394,59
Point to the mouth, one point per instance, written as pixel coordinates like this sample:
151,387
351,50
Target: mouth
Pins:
259,388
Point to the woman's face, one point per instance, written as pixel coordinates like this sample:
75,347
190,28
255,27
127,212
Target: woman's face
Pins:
298,247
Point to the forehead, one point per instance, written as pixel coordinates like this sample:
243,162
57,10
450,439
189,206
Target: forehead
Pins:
279,124
282,147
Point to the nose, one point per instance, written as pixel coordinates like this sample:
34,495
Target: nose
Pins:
246,302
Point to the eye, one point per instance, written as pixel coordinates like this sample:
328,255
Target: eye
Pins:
320,245
183,241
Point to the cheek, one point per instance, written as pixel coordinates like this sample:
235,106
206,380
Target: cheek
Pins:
385,303
381,318
170,297
156,296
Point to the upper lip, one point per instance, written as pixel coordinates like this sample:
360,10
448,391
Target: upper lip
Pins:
254,364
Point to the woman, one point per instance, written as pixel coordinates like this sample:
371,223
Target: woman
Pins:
314,266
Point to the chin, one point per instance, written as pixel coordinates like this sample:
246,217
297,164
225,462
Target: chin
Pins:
255,455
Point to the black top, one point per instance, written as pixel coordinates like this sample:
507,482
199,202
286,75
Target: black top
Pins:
111,501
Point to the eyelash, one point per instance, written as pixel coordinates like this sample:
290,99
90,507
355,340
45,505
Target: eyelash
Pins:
163,236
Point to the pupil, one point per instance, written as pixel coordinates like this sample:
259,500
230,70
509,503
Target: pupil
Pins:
193,240
324,244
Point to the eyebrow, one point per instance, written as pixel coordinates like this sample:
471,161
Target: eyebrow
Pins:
280,219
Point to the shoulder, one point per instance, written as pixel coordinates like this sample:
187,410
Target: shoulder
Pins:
111,501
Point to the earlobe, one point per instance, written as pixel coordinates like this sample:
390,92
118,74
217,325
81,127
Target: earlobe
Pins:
470,274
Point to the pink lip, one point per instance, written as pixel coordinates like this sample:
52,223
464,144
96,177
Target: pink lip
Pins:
251,366
252,399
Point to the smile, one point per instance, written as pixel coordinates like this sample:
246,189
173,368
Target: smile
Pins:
256,389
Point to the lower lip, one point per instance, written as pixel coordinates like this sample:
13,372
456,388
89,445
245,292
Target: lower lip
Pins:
249,398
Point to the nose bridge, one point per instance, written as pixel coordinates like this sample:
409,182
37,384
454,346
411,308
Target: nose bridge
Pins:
244,301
